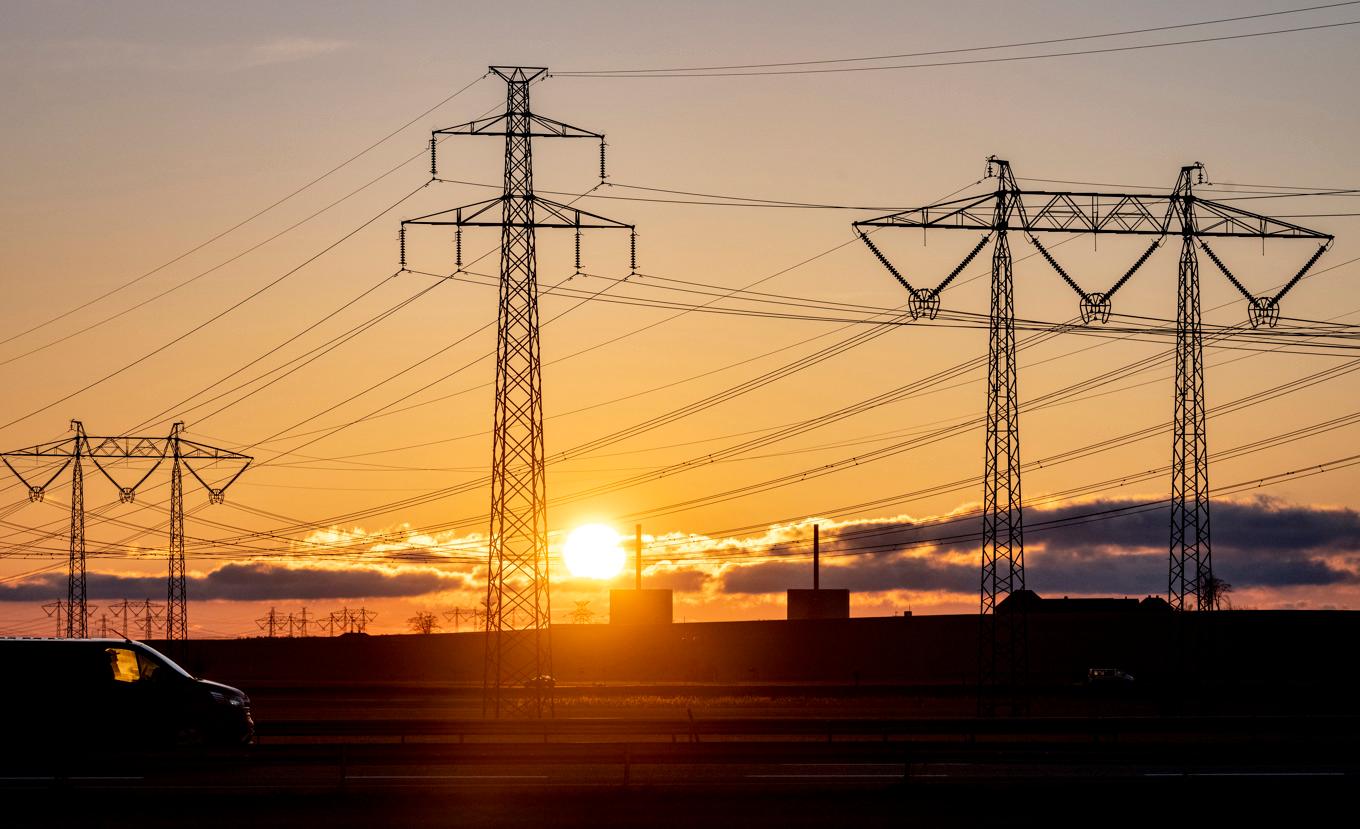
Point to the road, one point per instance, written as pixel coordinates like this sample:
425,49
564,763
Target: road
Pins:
1038,776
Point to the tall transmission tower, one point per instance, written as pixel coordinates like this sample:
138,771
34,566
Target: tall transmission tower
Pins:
518,643
1002,658
107,453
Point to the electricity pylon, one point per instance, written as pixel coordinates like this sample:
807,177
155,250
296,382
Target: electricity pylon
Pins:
518,644
182,451
103,452
1002,648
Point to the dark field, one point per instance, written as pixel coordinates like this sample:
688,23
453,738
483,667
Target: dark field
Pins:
866,722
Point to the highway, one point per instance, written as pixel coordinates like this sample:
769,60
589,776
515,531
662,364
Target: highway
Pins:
737,772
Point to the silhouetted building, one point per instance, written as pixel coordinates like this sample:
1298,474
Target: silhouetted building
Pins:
818,604
1031,602
640,607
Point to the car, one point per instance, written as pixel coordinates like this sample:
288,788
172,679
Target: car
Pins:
115,693
540,681
1108,678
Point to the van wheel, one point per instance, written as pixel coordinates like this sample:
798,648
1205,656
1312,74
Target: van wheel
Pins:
188,736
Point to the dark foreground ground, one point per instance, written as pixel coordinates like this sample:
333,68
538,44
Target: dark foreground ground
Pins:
735,772
1250,718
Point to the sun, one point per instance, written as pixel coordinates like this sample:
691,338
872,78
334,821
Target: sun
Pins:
592,551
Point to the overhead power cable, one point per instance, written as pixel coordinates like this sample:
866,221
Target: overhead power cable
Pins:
992,47
965,62
252,217
214,318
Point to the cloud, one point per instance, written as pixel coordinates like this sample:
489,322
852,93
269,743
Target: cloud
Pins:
100,53
871,573
1260,546
1260,543
252,582
288,50
679,579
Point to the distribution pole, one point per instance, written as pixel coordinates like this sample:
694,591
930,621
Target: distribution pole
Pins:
518,642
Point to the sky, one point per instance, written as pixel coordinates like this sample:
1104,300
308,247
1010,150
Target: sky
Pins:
200,218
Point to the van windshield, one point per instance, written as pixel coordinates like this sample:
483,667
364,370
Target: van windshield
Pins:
161,662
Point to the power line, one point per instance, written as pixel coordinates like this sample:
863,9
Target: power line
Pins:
1214,22
969,62
246,220
214,318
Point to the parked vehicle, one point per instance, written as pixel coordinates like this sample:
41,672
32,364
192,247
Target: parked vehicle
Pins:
1108,678
116,693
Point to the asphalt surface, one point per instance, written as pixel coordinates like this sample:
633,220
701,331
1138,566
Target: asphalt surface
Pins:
724,783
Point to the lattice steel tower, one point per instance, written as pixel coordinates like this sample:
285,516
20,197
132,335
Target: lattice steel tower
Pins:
124,449
1009,208
518,645
177,591
1191,560
1003,541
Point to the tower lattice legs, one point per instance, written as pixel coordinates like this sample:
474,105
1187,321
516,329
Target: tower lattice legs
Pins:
77,619
1191,560
1002,655
518,648
176,605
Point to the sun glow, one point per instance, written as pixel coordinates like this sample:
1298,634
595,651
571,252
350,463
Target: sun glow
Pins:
592,551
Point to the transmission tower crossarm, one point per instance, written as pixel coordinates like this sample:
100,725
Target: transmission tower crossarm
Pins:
540,127
1120,214
546,214
1217,219
464,216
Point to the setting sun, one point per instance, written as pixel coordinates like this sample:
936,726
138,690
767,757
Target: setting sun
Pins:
592,551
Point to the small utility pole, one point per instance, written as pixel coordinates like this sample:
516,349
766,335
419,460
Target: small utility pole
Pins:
816,556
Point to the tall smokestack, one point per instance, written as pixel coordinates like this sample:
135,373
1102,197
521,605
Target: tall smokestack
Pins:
816,556
639,556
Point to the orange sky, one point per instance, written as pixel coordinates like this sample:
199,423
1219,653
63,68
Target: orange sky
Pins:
138,134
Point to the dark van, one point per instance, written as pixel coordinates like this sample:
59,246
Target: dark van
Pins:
114,693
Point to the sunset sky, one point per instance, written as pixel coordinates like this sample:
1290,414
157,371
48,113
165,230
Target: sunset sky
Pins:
138,136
